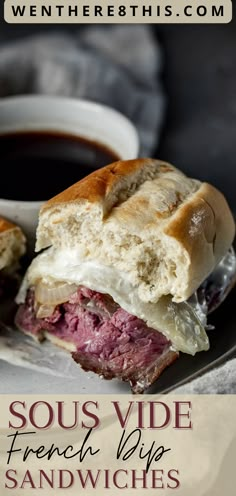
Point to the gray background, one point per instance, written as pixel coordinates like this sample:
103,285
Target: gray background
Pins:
199,136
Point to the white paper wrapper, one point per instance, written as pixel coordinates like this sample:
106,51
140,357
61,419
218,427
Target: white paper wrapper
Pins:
21,350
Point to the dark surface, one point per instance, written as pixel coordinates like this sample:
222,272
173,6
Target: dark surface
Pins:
222,346
199,135
200,76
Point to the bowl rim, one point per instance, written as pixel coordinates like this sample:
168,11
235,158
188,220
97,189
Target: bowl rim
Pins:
79,103
72,102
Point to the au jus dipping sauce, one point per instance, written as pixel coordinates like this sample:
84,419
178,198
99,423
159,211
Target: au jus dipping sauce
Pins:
36,165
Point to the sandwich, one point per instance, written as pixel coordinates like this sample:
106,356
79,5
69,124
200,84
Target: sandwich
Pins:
12,247
134,257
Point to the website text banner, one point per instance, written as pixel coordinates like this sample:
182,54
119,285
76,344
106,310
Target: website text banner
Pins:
103,445
118,11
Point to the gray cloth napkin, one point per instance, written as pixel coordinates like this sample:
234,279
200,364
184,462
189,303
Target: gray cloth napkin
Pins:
116,65
221,380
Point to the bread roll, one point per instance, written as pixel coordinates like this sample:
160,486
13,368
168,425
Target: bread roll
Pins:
12,243
146,219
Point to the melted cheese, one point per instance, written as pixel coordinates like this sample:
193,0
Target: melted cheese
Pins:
177,322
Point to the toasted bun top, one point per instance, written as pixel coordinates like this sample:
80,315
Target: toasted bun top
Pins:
12,243
108,185
145,218
6,225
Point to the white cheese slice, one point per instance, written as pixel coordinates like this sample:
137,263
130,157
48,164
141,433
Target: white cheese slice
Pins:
178,322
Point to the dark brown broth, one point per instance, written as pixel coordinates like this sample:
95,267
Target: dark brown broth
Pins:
36,165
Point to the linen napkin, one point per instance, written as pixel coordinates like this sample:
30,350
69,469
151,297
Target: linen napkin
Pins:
119,66
221,380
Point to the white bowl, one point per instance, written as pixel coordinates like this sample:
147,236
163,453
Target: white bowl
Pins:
82,118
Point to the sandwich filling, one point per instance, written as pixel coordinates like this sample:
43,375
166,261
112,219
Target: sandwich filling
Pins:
102,336
56,274
95,313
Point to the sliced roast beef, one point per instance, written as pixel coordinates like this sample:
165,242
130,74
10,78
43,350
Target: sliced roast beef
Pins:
108,340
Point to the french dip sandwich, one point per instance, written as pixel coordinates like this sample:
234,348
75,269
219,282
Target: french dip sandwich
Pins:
126,278
12,247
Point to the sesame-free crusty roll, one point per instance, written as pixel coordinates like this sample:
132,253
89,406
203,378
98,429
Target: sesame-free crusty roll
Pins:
12,243
144,217
12,247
